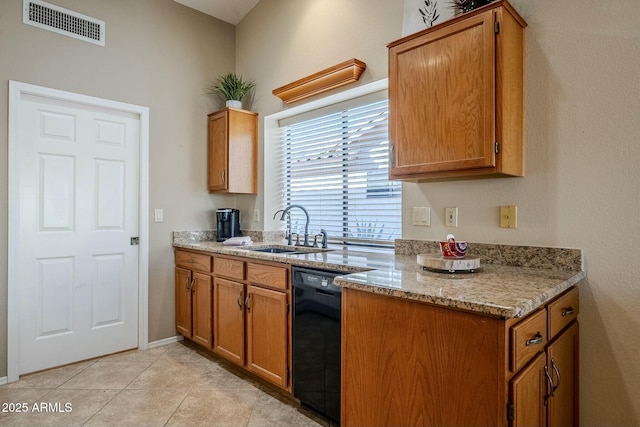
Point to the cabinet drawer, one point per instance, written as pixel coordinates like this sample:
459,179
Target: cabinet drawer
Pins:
527,337
562,311
268,275
231,268
193,261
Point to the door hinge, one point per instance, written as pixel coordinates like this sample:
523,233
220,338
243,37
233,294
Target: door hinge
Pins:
288,375
287,307
496,147
496,27
510,411
135,241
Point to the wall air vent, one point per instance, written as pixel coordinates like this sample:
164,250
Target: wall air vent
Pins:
53,18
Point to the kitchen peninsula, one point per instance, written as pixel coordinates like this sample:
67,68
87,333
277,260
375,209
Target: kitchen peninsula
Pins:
424,348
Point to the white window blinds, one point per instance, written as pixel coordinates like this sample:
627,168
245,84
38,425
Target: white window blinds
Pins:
336,166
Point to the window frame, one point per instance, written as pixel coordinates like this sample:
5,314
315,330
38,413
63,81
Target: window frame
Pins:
274,156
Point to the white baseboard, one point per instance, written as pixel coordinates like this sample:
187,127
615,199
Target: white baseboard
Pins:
3,380
166,341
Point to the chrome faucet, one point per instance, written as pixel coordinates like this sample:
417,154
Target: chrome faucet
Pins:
285,211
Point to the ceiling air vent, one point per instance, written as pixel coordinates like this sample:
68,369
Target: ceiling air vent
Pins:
53,18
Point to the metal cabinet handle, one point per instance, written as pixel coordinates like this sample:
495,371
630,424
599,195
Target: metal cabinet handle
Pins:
557,371
187,284
193,281
222,175
537,339
246,302
240,300
191,260
550,381
568,312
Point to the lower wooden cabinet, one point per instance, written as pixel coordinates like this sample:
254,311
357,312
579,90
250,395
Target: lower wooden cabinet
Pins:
544,393
194,298
562,366
202,302
268,334
528,390
183,301
252,321
229,320
240,310
414,364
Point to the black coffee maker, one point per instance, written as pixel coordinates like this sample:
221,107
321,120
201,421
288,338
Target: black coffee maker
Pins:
228,224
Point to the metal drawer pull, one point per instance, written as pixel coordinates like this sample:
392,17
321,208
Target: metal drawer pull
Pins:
191,260
568,312
550,381
535,340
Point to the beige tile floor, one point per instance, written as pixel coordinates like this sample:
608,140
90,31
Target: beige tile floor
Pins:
172,385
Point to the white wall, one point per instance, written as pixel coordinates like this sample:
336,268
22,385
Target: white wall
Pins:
582,148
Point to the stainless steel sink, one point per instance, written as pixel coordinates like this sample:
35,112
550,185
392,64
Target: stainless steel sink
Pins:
286,250
274,250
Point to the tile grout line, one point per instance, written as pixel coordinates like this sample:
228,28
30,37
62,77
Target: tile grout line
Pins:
189,390
118,393
101,408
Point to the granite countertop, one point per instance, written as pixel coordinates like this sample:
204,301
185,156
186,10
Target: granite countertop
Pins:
499,290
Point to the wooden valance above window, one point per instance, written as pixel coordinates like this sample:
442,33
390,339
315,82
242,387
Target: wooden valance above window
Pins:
333,77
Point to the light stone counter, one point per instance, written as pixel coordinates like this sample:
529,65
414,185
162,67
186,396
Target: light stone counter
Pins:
496,289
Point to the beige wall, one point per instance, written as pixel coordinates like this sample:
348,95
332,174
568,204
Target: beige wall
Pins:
158,54
582,112
581,188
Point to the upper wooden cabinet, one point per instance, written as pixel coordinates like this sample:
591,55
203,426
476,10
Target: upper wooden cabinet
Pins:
456,98
233,151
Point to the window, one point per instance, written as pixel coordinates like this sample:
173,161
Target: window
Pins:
336,165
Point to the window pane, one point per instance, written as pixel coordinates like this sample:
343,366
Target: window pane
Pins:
337,167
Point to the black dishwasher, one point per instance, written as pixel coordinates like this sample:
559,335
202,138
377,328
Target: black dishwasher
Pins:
316,340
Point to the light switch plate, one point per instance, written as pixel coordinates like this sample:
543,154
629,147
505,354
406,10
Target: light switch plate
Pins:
158,215
451,217
422,216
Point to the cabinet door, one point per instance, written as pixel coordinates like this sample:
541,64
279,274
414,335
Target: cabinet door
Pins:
183,301
202,300
229,320
562,364
528,390
267,334
243,152
442,99
218,151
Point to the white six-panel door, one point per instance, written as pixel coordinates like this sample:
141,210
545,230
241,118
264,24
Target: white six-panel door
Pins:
77,272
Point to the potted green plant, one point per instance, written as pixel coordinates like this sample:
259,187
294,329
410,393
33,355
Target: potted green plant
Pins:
232,88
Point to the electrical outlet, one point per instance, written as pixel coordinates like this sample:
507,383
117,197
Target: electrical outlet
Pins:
451,217
422,216
256,215
509,216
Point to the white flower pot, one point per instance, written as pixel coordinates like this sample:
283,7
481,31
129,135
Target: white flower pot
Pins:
234,104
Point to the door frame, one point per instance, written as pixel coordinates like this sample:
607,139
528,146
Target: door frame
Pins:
16,90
